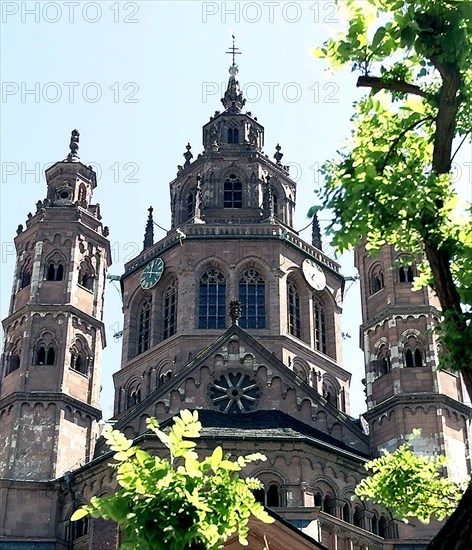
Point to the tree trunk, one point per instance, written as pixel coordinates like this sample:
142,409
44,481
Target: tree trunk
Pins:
456,534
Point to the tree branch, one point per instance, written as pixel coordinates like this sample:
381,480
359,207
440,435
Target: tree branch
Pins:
397,85
401,135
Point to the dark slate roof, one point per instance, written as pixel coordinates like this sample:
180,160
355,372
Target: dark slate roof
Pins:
266,424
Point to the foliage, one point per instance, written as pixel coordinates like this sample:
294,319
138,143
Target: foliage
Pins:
410,485
394,182
172,504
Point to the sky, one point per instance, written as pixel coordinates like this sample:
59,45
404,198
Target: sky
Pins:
139,80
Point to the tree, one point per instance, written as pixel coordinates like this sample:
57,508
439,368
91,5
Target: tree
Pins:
410,485
393,183
181,503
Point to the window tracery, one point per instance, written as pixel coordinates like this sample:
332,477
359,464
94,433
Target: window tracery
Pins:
170,310
293,299
212,300
376,279
45,350
383,364
86,274
13,358
252,299
413,350
79,356
320,328
233,192
144,326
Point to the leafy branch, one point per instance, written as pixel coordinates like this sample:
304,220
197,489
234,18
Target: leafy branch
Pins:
410,485
176,503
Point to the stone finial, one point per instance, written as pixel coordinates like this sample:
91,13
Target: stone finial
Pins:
19,229
149,231
233,100
278,155
74,146
316,233
188,155
235,311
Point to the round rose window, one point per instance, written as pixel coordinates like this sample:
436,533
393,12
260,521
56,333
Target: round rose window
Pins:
235,392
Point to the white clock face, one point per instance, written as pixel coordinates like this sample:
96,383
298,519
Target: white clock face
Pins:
314,274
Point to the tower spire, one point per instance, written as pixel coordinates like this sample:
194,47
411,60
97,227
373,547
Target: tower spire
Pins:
316,233
233,99
149,231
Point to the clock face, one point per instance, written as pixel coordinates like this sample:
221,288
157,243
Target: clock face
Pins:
152,273
314,275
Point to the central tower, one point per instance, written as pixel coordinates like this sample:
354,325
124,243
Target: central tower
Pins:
232,239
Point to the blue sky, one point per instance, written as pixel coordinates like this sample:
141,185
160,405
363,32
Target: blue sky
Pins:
139,80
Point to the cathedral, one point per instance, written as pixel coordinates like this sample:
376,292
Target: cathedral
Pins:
233,314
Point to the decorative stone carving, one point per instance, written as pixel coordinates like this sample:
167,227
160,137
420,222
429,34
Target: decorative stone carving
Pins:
235,392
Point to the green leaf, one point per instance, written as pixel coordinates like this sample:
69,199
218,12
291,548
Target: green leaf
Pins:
378,37
79,514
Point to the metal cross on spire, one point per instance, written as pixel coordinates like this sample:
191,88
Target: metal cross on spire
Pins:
233,50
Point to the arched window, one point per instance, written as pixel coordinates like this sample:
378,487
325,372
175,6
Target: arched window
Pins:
273,499
55,272
164,377
51,356
233,192
144,326
252,298
79,356
330,393
86,275
212,306
376,279
318,499
405,274
133,397
383,360
25,276
293,299
320,328
329,505
80,528
275,202
375,525
45,356
190,204
12,359
383,527
233,135
413,353
347,513
269,495
357,518
12,363
170,310
41,356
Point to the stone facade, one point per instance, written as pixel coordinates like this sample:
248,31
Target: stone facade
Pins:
232,314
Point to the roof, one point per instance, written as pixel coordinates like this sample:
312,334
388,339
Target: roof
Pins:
265,424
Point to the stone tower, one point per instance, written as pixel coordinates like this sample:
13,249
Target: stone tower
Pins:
54,334
232,239
404,389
